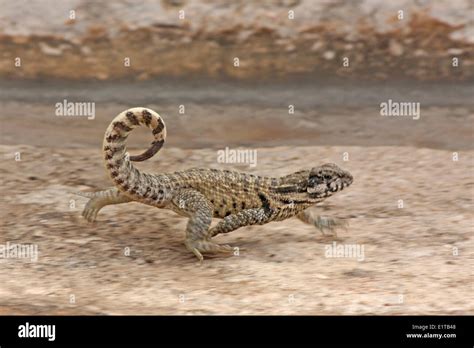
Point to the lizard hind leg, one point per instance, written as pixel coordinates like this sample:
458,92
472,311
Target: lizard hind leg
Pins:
195,205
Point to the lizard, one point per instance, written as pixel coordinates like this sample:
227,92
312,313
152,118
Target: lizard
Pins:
200,194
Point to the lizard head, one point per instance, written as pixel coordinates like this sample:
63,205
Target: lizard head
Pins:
326,180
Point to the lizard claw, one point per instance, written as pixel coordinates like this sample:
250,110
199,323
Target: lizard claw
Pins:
198,255
91,210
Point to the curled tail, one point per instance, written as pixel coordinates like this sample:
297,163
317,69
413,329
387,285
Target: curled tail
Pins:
129,180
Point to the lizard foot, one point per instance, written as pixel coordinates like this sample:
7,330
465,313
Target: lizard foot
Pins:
91,209
323,223
199,247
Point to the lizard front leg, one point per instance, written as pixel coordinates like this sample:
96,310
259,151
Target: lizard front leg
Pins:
98,200
321,222
194,204
257,216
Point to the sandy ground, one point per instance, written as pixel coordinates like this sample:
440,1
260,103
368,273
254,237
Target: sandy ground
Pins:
417,259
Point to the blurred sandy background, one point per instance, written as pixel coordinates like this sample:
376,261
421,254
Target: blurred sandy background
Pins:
418,259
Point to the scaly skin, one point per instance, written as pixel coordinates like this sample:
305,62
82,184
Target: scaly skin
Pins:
239,199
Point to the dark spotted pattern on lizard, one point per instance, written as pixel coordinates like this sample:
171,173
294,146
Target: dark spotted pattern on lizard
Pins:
239,199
